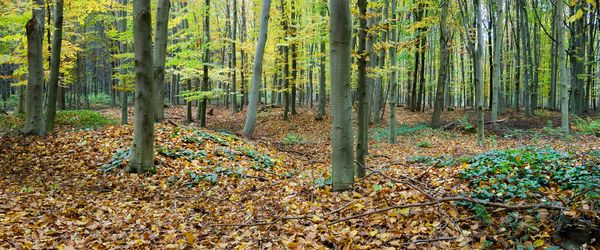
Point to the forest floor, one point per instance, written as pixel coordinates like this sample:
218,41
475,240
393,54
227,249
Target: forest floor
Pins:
216,190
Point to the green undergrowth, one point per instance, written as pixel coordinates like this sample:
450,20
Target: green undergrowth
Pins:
84,119
72,119
529,173
382,134
201,157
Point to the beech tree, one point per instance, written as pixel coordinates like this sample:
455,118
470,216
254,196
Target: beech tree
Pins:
160,54
258,66
35,67
340,53
54,67
142,149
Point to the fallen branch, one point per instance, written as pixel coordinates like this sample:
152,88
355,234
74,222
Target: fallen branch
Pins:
431,240
400,181
450,199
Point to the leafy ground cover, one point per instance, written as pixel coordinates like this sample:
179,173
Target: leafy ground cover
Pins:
217,190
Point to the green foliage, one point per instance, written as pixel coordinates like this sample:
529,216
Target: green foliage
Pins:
588,126
185,153
118,158
293,138
101,99
466,124
11,122
381,134
438,161
423,144
502,175
87,119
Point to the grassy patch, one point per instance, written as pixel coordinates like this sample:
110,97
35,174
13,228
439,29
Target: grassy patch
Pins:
86,119
77,119
382,134
293,138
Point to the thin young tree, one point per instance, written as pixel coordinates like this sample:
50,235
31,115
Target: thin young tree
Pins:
444,65
234,104
562,68
54,67
322,73
160,54
340,35
479,73
498,29
204,87
142,150
35,66
362,143
394,80
257,71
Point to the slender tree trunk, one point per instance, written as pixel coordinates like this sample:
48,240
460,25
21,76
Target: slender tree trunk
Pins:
340,35
142,149
496,82
444,65
35,65
561,61
322,74
160,54
394,80
478,74
553,66
362,143
257,71
204,101
54,67
234,104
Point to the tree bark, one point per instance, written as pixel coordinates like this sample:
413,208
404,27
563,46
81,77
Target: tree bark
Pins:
394,79
204,87
340,63
142,149
54,67
257,71
234,104
35,65
362,143
444,65
562,68
498,29
160,54
322,74
479,74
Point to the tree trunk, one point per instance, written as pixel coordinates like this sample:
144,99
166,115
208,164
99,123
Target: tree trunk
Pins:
35,65
444,65
234,104
322,74
562,68
142,149
160,54
394,80
341,102
479,103
54,67
498,29
204,101
257,71
362,143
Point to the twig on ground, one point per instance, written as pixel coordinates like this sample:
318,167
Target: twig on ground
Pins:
449,199
431,240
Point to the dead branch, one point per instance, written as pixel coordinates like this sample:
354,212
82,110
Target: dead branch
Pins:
450,199
430,240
